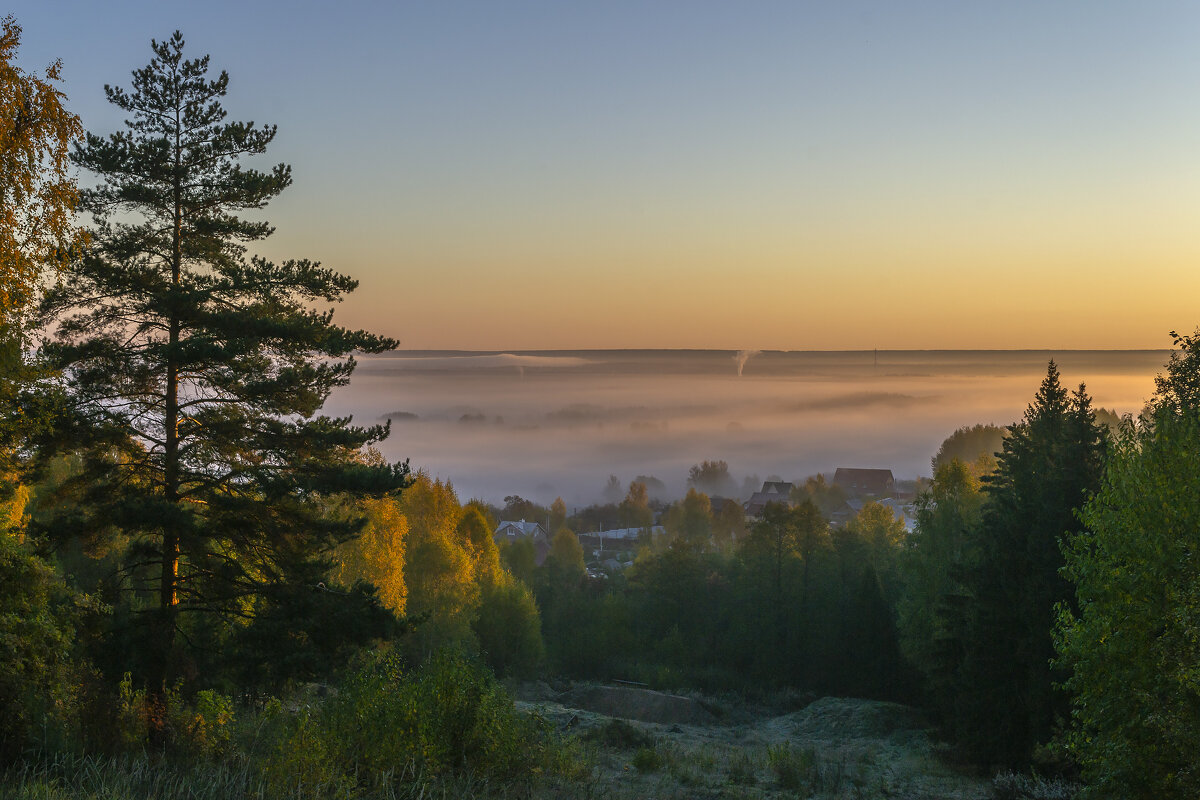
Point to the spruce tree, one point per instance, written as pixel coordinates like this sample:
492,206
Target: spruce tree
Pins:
196,371
1007,699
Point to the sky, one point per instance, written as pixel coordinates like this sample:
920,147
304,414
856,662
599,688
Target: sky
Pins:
767,175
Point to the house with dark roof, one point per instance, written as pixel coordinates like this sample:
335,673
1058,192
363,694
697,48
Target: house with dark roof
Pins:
508,532
772,492
864,482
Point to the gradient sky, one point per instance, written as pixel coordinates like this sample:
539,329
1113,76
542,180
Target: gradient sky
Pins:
771,175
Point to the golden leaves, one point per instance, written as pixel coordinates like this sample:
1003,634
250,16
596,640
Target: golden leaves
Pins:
38,195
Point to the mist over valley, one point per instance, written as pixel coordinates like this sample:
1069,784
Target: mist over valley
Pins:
544,424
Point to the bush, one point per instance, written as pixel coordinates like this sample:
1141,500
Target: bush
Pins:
794,769
619,734
1015,786
200,729
448,718
742,770
647,759
36,673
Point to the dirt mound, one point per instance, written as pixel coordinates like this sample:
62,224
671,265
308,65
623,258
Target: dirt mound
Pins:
643,705
836,718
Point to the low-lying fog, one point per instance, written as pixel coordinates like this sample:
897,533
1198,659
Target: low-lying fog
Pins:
559,423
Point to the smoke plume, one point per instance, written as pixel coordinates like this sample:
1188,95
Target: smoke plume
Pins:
742,357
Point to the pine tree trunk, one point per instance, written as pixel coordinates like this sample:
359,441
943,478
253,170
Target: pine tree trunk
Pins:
168,580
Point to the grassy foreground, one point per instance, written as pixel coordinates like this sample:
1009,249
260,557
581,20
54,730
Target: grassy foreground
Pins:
634,747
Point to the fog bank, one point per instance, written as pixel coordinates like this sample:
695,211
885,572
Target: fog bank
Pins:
557,423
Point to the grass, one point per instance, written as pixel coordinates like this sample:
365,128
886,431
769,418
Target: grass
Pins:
144,778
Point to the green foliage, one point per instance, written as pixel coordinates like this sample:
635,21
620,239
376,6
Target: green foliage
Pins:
201,728
36,672
976,446
793,767
881,533
509,629
1133,644
1003,691
647,759
827,497
195,373
520,559
306,631
939,553
729,525
689,522
635,511
743,771
619,734
450,717
565,559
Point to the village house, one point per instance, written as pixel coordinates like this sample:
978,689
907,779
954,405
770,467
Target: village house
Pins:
615,540
771,492
864,482
508,532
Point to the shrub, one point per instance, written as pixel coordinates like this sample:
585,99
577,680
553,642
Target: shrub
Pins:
450,717
794,768
647,759
742,770
199,729
1015,786
35,638
619,734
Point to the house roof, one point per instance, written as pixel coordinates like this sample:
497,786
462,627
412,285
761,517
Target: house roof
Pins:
855,478
758,501
519,528
777,487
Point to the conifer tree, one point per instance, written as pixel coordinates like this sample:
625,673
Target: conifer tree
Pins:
1007,697
196,371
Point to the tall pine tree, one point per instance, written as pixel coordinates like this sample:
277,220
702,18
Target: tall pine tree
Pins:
196,371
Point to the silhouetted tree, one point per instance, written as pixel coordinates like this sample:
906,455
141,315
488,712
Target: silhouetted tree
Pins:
827,497
689,522
518,508
612,489
712,478
939,554
976,446
634,511
1052,460
558,516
